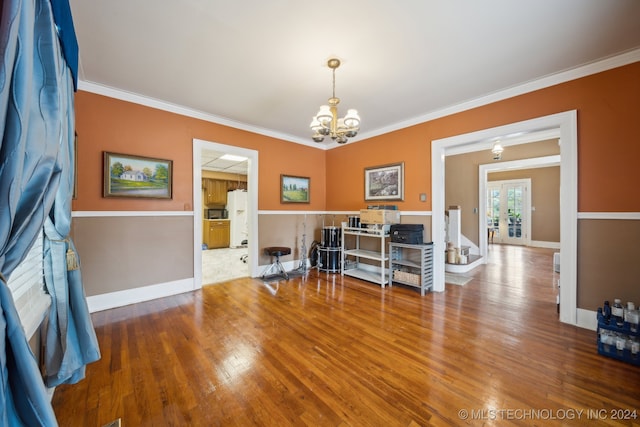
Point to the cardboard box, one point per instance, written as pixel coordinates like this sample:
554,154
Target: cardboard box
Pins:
379,216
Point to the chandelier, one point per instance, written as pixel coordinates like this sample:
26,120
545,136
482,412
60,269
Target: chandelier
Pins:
326,122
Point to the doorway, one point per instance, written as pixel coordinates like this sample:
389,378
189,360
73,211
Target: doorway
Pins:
200,146
508,205
563,126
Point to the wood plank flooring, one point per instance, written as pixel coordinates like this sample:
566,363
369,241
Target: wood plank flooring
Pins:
324,350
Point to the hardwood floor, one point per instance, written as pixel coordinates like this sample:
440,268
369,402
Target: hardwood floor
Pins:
331,351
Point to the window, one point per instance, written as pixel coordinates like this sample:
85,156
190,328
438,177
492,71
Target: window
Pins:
27,286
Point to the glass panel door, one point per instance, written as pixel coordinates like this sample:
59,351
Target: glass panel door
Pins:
493,214
513,193
507,212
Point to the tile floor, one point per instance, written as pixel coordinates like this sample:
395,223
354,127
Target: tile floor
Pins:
219,265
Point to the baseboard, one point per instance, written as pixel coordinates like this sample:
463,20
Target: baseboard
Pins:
587,319
542,244
144,293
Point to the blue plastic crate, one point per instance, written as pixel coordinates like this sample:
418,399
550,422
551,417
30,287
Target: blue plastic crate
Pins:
610,350
625,355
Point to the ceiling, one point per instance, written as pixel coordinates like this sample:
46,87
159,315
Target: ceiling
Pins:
261,65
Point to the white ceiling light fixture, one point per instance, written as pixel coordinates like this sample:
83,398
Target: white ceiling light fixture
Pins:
326,122
233,158
497,150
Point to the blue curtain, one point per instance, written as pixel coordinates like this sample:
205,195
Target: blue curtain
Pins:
36,122
71,341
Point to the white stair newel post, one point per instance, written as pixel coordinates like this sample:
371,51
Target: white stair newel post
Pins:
455,232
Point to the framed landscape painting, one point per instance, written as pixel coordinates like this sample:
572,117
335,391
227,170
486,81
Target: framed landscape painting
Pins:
384,182
294,189
136,176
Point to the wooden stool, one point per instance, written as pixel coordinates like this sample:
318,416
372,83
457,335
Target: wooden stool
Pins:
276,251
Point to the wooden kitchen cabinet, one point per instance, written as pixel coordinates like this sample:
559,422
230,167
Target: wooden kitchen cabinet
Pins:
236,185
216,233
215,191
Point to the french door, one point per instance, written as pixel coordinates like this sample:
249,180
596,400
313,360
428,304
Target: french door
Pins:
508,206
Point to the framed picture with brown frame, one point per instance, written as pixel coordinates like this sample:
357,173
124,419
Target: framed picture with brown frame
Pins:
384,182
295,189
127,175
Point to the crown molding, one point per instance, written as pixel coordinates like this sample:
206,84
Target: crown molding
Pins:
135,98
565,76
544,82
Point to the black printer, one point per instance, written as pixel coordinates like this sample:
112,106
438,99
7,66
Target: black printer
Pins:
407,233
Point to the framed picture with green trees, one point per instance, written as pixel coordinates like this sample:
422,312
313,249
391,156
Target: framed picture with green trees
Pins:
294,189
136,176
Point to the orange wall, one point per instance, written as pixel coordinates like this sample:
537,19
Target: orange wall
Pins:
345,176
107,124
608,106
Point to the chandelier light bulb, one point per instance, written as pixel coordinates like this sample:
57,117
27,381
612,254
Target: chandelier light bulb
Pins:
324,115
352,119
315,125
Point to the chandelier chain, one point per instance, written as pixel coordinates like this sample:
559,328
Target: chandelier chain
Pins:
334,82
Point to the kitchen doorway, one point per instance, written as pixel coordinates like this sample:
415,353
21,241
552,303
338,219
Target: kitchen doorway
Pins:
247,256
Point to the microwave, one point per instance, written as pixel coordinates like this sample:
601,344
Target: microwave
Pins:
216,214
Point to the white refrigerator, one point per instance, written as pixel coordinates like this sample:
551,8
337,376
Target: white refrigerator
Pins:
237,209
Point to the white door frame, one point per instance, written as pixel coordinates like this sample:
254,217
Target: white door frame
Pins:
252,204
566,125
484,170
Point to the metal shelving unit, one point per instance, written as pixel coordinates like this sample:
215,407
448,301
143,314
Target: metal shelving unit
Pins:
351,257
411,265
